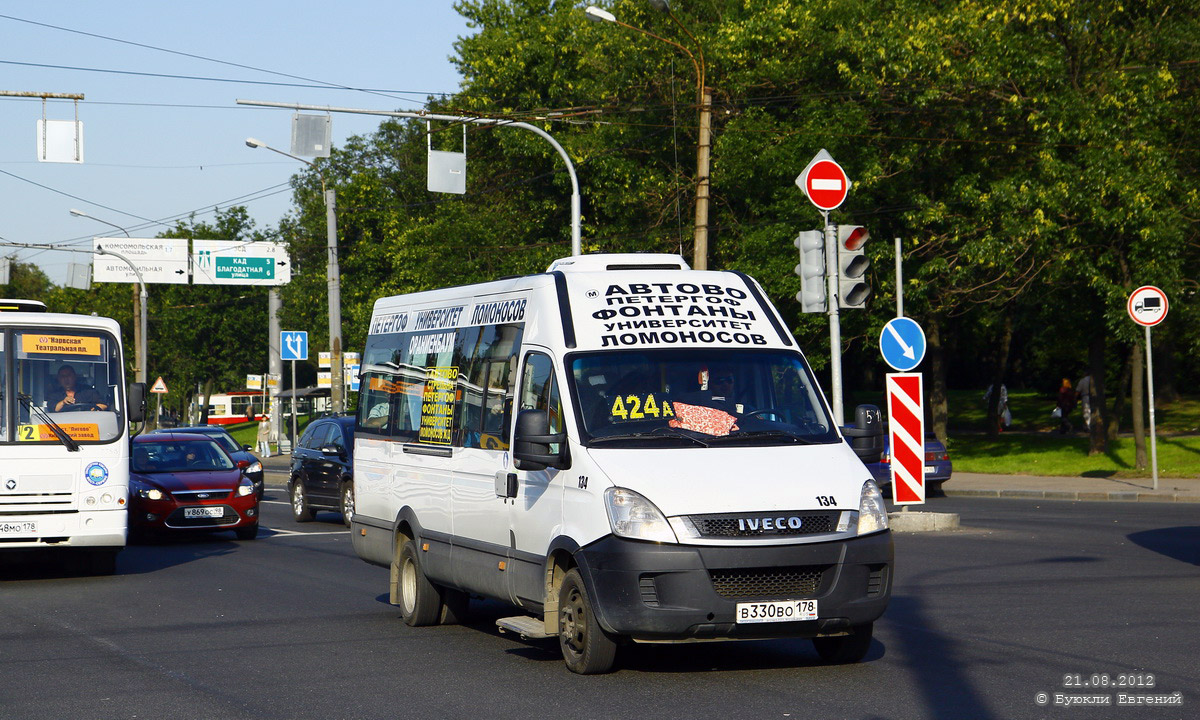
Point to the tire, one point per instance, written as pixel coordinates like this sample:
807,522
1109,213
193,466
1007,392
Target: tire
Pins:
419,600
246,532
586,648
347,502
300,508
845,649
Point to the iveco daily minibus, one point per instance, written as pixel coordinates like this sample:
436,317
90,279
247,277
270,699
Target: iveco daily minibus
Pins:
624,449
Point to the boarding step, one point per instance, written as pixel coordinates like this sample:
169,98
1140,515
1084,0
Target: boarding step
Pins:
525,626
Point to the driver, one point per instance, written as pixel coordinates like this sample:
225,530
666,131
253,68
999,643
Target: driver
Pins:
717,390
70,392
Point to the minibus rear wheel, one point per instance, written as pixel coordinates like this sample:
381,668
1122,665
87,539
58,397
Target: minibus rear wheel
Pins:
586,648
845,649
420,602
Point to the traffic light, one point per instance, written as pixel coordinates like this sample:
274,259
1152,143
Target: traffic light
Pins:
811,271
853,289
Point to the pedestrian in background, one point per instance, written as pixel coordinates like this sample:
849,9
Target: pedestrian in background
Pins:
1066,403
1002,412
264,437
1085,391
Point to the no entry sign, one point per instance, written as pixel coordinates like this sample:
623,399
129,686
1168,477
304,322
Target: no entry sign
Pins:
824,182
906,434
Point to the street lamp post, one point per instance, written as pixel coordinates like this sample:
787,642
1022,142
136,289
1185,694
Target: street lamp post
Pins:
139,301
704,142
337,388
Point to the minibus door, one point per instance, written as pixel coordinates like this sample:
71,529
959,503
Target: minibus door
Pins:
535,514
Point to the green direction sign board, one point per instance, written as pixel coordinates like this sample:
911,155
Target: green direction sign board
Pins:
227,262
244,268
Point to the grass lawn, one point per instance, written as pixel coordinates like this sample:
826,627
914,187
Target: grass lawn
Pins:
1032,447
247,433
1052,454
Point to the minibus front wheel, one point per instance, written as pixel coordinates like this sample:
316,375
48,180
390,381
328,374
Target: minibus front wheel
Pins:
586,648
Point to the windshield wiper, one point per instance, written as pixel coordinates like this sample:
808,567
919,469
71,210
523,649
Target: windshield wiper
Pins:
61,434
658,434
767,434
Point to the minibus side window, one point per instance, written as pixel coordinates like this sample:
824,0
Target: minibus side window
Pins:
486,385
539,391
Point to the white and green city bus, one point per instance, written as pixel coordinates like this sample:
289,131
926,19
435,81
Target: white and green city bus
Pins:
64,434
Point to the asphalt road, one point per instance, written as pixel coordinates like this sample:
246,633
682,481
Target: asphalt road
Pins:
292,625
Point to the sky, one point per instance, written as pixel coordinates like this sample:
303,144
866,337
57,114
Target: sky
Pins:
159,148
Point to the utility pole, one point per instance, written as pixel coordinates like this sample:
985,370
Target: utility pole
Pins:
274,363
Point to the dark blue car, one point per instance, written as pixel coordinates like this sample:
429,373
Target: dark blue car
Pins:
937,465
322,475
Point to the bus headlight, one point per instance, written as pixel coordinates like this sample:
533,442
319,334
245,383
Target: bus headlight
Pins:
872,514
632,516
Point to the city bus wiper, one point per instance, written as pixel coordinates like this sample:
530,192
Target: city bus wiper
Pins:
62,435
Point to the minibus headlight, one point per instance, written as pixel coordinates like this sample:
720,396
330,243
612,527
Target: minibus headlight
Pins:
245,487
872,514
633,516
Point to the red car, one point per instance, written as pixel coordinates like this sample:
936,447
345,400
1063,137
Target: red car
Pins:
186,481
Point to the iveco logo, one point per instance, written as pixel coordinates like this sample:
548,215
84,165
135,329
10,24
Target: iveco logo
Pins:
11,484
790,522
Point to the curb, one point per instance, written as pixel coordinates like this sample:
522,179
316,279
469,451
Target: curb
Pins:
900,521
1123,496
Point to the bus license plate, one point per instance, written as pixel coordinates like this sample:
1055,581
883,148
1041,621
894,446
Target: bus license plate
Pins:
777,611
204,512
28,527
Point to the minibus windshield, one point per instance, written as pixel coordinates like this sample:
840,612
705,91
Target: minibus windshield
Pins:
698,397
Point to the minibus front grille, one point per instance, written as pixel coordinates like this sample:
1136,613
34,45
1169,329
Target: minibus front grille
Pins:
770,582
756,525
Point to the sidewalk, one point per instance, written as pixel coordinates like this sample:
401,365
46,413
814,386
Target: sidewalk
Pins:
1073,488
980,485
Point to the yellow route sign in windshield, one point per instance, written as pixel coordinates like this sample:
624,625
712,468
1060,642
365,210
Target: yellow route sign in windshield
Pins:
44,433
49,344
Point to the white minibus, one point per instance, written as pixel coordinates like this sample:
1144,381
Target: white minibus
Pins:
624,449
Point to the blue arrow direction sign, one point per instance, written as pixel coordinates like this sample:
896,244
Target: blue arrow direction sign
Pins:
902,342
293,345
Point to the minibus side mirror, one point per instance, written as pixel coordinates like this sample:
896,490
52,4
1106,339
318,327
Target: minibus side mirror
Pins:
137,402
531,446
866,434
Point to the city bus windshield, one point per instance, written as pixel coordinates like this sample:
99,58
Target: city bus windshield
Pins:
717,397
72,377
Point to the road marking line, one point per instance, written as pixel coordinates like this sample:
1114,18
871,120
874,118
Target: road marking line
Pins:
279,531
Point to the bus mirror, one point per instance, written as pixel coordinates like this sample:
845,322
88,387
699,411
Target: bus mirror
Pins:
531,447
137,402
